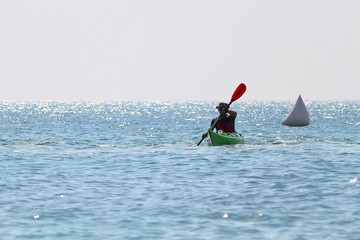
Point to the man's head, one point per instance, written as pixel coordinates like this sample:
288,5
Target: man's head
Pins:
222,106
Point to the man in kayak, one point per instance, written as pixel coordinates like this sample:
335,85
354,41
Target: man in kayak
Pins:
226,120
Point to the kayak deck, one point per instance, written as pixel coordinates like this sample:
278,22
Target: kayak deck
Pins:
225,138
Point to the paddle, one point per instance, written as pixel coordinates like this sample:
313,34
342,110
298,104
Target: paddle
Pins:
239,91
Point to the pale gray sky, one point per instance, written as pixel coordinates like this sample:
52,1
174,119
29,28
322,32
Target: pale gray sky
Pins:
179,50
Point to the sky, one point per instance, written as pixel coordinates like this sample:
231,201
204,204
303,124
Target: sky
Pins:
115,50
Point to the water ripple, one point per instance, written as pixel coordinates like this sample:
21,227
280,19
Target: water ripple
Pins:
132,170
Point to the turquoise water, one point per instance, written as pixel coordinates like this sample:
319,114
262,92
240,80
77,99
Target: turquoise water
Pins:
131,170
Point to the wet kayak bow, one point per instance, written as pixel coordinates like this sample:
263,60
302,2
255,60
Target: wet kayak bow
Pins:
225,138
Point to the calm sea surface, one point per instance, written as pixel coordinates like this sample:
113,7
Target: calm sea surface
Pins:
132,170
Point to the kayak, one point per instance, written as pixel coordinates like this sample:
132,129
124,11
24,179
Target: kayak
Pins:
224,138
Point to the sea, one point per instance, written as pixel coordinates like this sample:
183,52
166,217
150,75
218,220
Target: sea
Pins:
133,170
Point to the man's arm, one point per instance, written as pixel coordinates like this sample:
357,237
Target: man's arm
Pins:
232,113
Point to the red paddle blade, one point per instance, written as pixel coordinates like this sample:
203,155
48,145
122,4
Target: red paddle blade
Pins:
240,90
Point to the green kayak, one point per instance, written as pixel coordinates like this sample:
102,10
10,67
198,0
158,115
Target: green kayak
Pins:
225,138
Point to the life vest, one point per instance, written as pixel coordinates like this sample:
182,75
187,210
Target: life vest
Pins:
227,124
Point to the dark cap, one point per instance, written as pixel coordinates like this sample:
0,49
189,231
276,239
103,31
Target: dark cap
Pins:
222,105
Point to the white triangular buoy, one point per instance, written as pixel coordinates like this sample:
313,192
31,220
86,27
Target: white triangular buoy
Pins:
299,116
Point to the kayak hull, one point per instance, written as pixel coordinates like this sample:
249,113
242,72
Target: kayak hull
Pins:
219,139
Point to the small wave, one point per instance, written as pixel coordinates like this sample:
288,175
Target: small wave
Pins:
353,180
50,143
